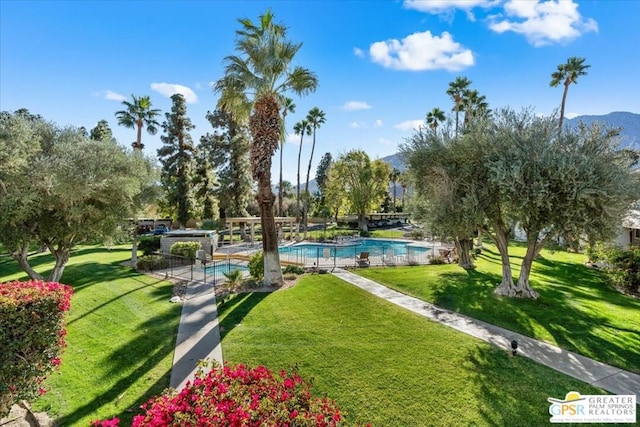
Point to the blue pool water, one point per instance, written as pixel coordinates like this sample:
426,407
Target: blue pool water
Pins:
220,267
351,249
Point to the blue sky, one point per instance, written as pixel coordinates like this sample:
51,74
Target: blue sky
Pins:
381,65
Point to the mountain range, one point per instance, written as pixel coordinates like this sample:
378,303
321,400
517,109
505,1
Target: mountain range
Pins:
629,123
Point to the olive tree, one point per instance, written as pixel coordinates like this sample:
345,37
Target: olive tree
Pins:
60,191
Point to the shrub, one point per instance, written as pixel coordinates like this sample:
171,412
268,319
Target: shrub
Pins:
150,262
256,266
234,278
149,245
624,268
293,269
32,331
209,224
436,260
417,234
185,249
238,396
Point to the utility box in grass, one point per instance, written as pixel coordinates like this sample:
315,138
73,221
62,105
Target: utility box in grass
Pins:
208,239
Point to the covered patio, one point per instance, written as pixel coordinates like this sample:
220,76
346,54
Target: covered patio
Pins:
251,221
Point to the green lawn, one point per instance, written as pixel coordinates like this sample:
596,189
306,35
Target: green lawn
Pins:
385,365
382,364
576,310
121,337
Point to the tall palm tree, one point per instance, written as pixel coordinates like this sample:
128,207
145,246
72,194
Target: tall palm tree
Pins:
316,118
139,114
456,91
474,105
300,128
393,177
568,73
287,106
434,118
253,87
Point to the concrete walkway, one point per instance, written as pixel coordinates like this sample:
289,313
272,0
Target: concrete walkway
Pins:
612,379
198,333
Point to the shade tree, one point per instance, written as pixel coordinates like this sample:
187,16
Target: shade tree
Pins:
60,191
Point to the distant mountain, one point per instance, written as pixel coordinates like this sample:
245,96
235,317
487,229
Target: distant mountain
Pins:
629,122
629,137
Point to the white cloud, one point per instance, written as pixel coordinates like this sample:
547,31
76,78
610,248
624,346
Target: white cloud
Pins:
113,96
168,89
409,125
442,6
571,115
355,105
292,138
358,52
384,141
422,51
545,22
377,123
357,125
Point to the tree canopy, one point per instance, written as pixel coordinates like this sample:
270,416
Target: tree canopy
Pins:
517,168
59,191
362,181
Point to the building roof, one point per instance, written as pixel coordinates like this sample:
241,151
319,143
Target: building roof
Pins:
632,219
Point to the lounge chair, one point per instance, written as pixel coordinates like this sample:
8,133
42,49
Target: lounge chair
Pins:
363,259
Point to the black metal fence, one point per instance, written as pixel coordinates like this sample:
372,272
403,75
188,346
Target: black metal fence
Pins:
207,271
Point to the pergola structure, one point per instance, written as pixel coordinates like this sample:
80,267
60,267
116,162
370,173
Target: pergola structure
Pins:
251,221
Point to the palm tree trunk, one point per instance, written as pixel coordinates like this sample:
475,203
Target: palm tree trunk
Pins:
280,185
298,192
306,187
564,99
266,199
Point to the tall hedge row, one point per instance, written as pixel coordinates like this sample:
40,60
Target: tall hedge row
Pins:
32,331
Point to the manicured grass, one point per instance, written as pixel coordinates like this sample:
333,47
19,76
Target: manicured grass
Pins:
120,341
386,365
577,310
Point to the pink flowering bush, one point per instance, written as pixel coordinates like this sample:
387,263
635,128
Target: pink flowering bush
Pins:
32,331
238,396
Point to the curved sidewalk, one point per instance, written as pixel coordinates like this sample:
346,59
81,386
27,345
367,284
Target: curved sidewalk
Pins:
612,379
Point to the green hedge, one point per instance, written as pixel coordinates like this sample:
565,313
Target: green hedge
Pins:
185,249
150,262
32,331
149,245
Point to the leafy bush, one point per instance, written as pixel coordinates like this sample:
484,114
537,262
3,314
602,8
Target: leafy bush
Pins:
32,331
150,262
417,234
185,249
149,245
436,260
234,278
293,269
256,266
238,396
624,268
209,224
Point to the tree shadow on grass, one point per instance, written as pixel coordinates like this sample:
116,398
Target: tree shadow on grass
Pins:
131,362
515,388
8,266
563,310
232,312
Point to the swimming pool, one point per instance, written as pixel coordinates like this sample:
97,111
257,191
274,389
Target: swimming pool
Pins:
219,268
381,251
